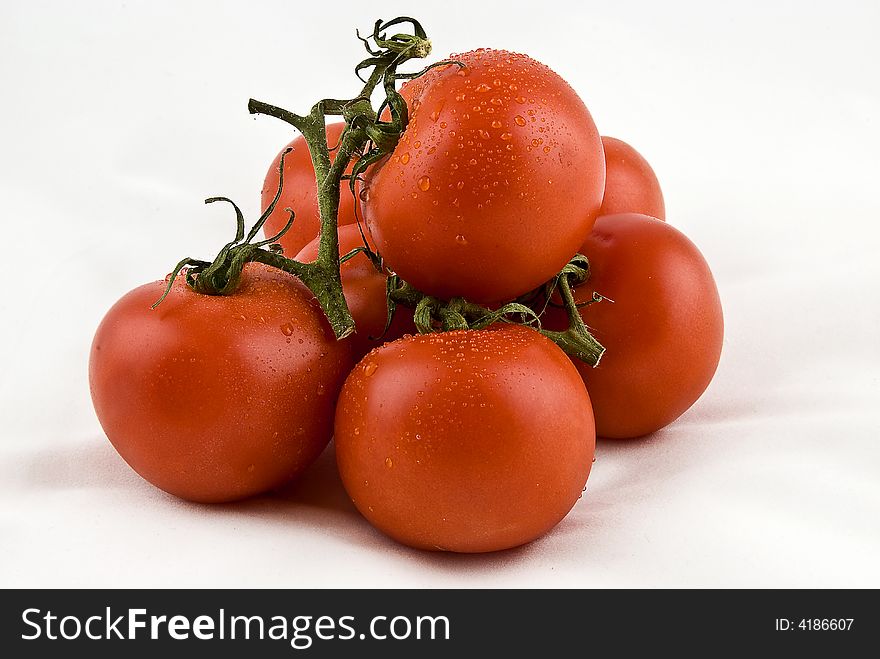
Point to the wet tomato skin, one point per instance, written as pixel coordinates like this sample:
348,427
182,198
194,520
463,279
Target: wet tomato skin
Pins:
631,186
364,288
217,398
495,183
300,194
663,331
466,441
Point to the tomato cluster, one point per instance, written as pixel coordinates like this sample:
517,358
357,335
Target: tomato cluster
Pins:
459,439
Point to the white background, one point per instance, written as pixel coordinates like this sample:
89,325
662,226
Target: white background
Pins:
761,121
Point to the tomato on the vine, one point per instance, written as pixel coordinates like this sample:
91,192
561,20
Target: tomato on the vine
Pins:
467,441
300,194
631,186
662,331
218,397
365,292
495,183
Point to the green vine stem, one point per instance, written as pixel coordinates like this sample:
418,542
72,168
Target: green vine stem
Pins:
363,127
432,314
365,138
576,340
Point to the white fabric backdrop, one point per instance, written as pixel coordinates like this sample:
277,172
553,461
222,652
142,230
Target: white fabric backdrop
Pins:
761,120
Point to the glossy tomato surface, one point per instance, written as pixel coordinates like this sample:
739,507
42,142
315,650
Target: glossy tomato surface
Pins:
216,398
495,183
663,332
300,194
466,441
631,186
365,292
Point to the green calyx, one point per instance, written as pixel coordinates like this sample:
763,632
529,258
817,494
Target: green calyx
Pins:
431,314
221,276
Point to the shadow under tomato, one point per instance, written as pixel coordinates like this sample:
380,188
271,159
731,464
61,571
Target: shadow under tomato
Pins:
95,464
320,486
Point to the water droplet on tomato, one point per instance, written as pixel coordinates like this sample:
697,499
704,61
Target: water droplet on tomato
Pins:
287,329
483,134
389,462
483,87
404,158
506,137
519,120
461,240
370,368
424,184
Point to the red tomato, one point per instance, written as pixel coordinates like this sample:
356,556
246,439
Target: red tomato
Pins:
466,441
364,289
300,194
215,398
477,199
662,333
630,184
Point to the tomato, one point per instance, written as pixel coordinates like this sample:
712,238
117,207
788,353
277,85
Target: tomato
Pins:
495,183
364,289
216,398
467,441
630,184
300,194
662,332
